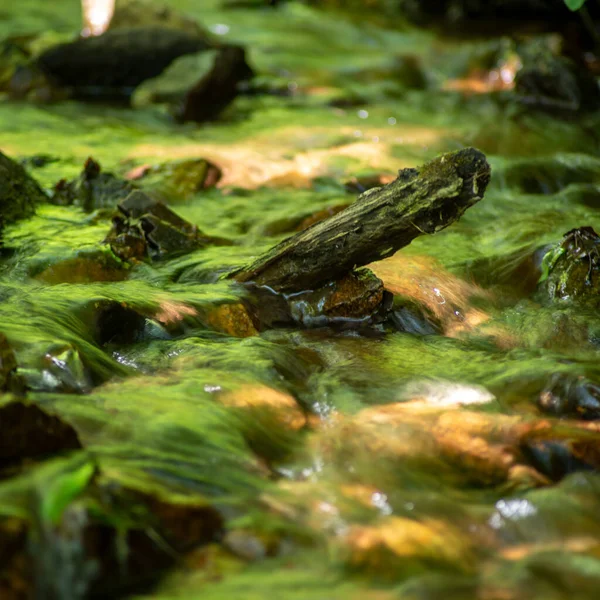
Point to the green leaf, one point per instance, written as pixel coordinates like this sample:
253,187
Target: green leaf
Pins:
574,4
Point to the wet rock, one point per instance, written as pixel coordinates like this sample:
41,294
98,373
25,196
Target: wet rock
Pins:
570,270
29,432
110,66
19,193
60,369
144,13
218,88
10,380
358,296
180,179
553,82
150,229
92,190
569,396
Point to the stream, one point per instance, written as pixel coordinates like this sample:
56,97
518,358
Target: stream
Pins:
450,452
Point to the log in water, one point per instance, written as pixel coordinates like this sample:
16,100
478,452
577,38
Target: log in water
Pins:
380,222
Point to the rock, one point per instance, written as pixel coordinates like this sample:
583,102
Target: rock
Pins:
19,193
218,88
29,432
357,296
150,229
59,370
569,396
552,82
180,179
92,190
570,270
232,319
110,66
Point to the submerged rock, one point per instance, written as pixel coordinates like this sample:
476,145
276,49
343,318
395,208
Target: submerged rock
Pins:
110,66
19,192
570,270
93,189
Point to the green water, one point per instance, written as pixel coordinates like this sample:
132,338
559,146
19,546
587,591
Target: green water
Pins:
147,412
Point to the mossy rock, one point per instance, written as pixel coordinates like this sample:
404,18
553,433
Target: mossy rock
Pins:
19,193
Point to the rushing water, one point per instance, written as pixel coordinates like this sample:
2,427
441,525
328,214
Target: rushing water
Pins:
338,457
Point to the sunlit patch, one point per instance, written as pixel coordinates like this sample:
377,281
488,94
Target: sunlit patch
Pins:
446,394
97,15
294,156
171,312
511,510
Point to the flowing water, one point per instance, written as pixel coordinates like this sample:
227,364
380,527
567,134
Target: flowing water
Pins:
345,462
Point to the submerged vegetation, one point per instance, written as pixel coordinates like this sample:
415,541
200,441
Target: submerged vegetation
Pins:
252,342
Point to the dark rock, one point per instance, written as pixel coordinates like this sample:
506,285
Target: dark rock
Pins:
555,83
29,432
568,396
93,189
554,459
358,296
151,229
19,193
110,66
218,88
116,323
